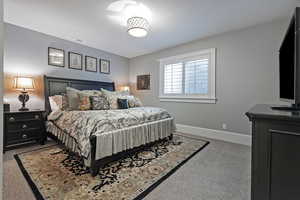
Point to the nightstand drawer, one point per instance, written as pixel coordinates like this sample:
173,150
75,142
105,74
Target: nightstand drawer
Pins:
11,118
22,136
26,125
22,127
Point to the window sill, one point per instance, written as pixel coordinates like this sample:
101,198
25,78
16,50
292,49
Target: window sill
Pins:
188,99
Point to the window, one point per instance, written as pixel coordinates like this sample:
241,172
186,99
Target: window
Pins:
189,77
173,79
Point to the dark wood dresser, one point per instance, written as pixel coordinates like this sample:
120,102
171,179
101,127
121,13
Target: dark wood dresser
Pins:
275,154
23,127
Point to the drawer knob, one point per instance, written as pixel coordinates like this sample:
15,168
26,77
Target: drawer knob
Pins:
24,136
36,116
11,119
24,126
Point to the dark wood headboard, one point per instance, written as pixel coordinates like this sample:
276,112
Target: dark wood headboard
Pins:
57,86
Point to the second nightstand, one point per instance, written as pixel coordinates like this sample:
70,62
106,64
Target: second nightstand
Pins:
23,127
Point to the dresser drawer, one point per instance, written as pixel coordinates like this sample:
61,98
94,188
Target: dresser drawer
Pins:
22,136
12,118
25,125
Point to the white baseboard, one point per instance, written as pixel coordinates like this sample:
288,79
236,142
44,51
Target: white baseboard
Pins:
215,134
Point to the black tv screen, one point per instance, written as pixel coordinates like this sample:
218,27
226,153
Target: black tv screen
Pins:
287,65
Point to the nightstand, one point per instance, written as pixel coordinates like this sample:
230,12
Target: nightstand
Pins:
21,127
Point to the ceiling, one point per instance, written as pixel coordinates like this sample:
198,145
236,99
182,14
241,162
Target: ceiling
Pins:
173,22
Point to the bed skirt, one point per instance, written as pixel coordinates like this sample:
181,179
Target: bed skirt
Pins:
68,141
116,141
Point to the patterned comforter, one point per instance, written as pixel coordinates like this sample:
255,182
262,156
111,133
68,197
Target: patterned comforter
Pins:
80,125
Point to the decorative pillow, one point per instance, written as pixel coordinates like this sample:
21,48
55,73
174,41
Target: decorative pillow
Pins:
138,102
84,101
65,103
96,92
73,96
54,115
131,101
123,103
53,104
58,102
73,99
112,98
134,101
99,103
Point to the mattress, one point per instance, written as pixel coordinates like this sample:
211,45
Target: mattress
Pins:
80,125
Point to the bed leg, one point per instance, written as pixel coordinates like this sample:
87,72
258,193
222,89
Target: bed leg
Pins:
94,171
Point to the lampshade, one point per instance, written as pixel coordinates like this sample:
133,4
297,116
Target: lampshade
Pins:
24,83
126,89
137,26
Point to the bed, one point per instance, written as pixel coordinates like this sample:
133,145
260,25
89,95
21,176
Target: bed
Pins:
102,136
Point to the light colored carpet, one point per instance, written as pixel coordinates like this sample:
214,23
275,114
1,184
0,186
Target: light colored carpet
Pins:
221,171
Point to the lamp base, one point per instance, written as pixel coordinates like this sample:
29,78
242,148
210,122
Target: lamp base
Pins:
23,98
23,109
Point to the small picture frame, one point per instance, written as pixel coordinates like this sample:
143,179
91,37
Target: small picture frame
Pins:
56,57
143,82
75,61
90,64
104,66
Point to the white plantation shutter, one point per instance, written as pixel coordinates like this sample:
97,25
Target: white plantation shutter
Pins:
190,76
196,77
173,78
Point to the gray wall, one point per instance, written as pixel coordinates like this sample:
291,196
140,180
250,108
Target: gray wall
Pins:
26,52
246,74
1,94
247,71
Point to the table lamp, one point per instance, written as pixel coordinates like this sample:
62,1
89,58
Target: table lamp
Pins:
24,84
125,89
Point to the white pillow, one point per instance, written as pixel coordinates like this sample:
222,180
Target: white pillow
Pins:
58,102
53,105
133,101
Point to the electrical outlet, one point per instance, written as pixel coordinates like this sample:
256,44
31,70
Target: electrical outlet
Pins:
224,126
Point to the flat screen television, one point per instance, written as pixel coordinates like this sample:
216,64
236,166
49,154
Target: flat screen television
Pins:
289,68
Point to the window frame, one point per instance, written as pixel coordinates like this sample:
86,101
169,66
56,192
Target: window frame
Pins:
190,98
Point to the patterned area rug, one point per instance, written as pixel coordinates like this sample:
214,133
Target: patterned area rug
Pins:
54,174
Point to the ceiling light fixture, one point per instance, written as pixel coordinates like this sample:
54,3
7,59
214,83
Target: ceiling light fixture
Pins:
137,26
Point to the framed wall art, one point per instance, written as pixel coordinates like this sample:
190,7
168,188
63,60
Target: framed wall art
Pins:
143,82
56,57
104,66
75,61
90,64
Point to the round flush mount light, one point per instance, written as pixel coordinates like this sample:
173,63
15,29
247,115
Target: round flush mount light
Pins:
137,26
